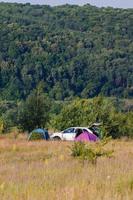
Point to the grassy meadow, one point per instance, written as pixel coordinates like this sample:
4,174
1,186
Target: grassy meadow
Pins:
47,171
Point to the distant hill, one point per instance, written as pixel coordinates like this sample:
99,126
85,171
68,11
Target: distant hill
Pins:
71,50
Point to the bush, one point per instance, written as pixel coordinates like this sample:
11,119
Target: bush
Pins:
3,126
90,152
84,112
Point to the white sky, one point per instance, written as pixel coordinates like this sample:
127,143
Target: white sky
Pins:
112,3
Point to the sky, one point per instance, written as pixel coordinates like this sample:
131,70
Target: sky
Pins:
99,3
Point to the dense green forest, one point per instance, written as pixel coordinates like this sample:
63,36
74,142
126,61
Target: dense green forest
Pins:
55,61
72,50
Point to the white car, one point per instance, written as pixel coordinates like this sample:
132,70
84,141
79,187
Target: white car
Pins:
68,134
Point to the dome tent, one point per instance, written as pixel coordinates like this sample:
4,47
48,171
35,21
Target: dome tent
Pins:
86,136
38,134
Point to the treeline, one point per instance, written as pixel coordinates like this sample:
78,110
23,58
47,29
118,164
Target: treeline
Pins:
73,51
39,111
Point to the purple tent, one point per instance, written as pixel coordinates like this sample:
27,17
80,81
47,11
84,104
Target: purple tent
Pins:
86,137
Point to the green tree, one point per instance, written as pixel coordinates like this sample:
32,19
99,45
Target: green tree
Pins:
34,112
76,51
83,112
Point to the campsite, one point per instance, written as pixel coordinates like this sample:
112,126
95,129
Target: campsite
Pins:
66,100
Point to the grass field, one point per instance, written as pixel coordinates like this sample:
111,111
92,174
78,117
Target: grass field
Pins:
47,171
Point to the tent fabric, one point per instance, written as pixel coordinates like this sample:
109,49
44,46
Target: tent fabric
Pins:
43,133
86,137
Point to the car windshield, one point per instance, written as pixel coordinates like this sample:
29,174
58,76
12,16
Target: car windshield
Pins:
69,130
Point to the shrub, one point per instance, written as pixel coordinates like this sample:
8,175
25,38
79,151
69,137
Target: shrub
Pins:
89,152
3,126
123,185
84,112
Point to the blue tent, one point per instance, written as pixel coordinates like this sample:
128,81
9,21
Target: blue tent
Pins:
39,134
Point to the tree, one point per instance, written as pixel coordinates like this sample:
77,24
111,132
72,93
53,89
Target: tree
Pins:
83,112
34,112
76,51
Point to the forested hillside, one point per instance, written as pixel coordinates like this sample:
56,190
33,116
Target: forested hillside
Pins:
71,50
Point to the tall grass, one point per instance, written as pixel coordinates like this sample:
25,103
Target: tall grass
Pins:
47,171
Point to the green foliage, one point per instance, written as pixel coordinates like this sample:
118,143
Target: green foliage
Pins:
90,153
125,121
83,112
83,152
34,112
8,114
2,126
75,51
125,184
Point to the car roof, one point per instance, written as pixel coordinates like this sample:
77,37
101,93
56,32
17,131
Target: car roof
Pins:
78,127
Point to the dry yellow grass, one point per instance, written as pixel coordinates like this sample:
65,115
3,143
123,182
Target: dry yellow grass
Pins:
46,171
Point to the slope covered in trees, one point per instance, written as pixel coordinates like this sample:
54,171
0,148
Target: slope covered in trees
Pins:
71,50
